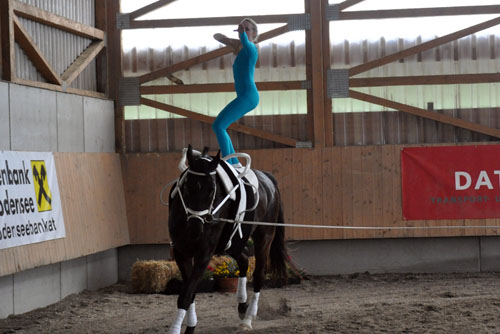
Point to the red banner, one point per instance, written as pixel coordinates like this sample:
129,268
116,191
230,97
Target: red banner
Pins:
452,182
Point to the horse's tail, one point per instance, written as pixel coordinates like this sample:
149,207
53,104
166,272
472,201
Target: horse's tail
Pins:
279,257
280,261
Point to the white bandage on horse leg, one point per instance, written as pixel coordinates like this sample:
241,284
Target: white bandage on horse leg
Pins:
191,319
177,324
254,305
241,293
251,311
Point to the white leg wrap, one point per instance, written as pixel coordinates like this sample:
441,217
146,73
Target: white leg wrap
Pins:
191,319
177,324
241,293
251,311
254,305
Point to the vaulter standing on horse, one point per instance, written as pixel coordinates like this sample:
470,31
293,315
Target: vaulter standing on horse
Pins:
247,96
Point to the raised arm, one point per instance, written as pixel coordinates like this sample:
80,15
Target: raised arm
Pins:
243,37
231,42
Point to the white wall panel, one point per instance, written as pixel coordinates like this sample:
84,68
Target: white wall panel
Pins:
99,125
4,117
70,123
33,119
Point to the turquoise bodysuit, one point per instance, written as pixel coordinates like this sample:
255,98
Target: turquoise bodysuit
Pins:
247,96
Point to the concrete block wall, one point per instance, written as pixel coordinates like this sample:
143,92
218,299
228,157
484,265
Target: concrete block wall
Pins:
33,119
40,120
337,257
39,287
417,255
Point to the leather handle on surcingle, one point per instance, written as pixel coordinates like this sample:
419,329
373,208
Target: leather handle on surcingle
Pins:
244,156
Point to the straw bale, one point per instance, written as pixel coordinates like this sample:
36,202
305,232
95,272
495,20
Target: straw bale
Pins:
152,276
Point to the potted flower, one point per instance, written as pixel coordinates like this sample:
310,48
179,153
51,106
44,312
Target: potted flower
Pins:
226,274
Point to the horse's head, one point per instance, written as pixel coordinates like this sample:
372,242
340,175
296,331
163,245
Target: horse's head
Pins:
202,163
198,189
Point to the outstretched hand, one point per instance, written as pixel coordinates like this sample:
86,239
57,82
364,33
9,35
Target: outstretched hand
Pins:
241,28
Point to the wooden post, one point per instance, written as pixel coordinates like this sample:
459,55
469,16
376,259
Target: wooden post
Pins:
114,63
328,118
7,40
101,67
314,73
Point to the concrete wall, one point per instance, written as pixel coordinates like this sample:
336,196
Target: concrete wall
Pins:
425,255
127,255
39,287
33,119
334,257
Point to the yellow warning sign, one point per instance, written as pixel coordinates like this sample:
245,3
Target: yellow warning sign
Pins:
42,190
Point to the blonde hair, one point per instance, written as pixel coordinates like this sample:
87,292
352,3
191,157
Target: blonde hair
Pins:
254,24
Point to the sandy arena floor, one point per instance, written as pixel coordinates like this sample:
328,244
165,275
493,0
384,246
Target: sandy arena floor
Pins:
364,303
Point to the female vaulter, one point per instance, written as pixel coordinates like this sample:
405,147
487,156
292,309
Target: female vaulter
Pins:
247,96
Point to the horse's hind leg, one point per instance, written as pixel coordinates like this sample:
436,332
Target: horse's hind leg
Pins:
263,237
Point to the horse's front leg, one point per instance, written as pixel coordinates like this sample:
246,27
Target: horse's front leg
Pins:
241,292
191,276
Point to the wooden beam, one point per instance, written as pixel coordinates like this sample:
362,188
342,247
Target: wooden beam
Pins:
423,47
41,16
314,73
418,12
204,57
34,54
207,119
426,114
58,88
348,3
219,87
149,8
426,80
8,55
82,62
211,21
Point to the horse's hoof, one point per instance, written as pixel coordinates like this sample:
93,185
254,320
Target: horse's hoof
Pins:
189,330
245,327
242,310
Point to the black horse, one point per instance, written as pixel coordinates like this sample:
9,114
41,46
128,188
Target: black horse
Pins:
197,233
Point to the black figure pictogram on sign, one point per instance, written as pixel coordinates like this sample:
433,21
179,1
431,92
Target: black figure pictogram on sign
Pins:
42,190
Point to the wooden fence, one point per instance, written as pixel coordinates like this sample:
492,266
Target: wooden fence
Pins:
336,186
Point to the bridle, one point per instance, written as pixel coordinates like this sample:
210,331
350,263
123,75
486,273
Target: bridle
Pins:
206,215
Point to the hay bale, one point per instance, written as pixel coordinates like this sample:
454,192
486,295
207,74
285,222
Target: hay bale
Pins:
152,276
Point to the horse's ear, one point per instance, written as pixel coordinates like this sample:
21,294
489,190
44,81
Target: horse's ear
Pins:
190,154
205,151
215,161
